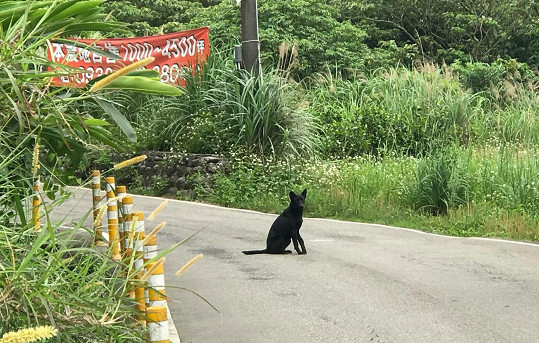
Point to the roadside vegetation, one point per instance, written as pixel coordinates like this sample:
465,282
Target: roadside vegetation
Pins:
382,116
419,148
53,282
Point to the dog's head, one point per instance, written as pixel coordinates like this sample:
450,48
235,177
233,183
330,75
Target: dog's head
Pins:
297,200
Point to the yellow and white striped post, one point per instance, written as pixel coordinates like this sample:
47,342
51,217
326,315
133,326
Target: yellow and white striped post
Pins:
157,324
150,252
156,284
112,215
140,299
150,248
36,202
121,192
137,241
96,198
127,208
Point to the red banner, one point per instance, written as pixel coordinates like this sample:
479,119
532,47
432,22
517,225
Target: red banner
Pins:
175,54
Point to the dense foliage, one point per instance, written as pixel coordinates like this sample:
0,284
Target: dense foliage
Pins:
351,35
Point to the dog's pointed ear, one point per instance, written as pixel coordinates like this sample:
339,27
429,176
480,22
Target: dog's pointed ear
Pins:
304,193
291,195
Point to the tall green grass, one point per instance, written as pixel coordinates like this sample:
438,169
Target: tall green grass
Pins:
441,182
55,277
49,278
482,192
264,115
419,111
224,110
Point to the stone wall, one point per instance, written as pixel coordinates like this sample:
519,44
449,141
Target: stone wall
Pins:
180,171
165,173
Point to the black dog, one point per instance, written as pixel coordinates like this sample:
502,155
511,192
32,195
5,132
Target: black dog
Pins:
286,228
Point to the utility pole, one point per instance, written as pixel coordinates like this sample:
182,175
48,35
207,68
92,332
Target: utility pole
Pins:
249,36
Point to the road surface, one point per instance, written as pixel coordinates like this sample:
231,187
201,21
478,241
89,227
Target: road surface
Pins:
358,282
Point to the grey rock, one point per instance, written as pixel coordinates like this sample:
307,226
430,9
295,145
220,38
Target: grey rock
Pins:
210,159
182,170
215,167
186,193
180,183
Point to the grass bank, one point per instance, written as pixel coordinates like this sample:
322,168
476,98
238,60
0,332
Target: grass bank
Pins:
486,192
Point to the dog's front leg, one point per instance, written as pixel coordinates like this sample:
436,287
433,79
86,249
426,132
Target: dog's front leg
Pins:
302,244
295,239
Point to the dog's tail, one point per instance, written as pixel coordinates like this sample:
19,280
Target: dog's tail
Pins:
254,252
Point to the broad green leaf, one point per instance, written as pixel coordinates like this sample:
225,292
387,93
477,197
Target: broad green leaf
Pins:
151,74
15,9
74,9
89,14
96,122
104,137
144,85
119,118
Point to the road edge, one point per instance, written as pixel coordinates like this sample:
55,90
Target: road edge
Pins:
172,331
332,220
344,221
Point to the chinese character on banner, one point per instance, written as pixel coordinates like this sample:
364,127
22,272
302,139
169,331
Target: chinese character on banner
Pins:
174,53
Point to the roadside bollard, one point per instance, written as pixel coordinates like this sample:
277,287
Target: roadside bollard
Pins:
96,198
150,252
140,299
157,324
156,284
137,238
127,208
150,248
131,254
112,215
121,192
36,202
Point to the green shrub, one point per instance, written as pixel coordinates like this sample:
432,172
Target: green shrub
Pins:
509,178
47,277
517,120
479,76
224,110
441,182
405,111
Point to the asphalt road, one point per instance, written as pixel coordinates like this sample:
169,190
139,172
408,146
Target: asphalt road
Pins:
358,282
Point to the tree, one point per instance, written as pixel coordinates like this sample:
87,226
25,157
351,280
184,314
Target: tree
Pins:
445,30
